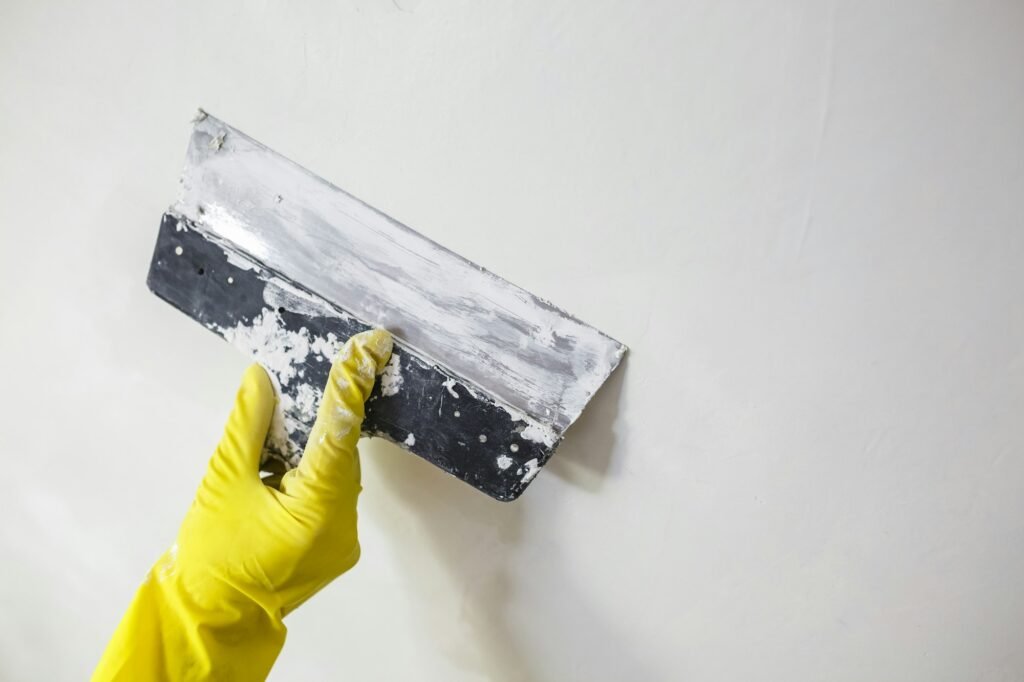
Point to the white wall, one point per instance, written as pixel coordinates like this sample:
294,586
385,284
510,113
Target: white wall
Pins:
805,219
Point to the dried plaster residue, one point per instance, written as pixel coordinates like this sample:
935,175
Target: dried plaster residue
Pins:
391,380
282,352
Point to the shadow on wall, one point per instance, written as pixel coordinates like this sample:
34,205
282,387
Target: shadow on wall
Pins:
584,458
518,598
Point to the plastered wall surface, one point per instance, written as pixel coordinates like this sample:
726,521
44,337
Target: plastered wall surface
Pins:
804,218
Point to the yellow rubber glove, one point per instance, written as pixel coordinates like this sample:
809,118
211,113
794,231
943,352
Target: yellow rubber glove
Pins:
247,553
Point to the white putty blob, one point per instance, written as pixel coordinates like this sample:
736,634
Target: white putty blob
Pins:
391,380
368,369
327,347
410,440
532,468
450,385
483,438
504,462
539,433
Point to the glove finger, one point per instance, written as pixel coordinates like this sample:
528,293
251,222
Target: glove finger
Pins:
238,454
330,464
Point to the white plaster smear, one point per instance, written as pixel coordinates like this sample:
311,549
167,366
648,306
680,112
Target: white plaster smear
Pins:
391,380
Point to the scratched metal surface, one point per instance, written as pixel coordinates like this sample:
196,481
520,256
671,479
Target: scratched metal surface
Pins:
485,377
521,350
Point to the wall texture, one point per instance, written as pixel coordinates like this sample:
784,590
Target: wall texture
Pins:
804,218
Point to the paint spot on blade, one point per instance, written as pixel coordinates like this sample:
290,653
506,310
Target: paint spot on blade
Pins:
450,385
539,433
391,380
268,342
532,468
325,347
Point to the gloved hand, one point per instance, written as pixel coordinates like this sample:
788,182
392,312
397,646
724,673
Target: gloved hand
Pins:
248,554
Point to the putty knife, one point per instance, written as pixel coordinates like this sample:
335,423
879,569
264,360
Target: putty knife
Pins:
484,379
